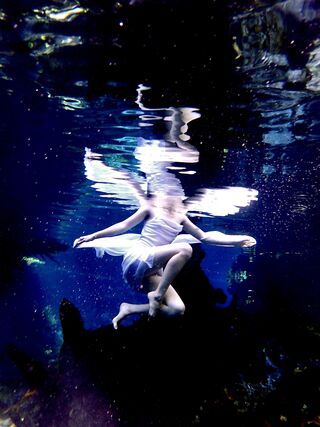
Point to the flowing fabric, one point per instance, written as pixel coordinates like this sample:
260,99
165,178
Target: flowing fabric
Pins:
115,246
156,232
119,245
138,249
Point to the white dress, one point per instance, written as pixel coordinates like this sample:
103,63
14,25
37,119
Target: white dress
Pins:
138,249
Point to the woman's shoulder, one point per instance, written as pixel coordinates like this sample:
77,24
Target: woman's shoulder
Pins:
184,218
147,211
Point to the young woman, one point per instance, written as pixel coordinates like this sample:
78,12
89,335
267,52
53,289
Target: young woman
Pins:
153,259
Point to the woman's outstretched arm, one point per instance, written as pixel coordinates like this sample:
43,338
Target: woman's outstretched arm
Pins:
115,229
221,239
216,237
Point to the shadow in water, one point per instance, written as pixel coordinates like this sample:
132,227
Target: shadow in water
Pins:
209,367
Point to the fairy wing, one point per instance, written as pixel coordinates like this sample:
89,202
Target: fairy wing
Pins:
130,190
125,188
220,201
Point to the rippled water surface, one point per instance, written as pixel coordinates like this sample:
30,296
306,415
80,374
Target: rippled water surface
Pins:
233,116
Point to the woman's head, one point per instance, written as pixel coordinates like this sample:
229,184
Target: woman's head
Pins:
166,184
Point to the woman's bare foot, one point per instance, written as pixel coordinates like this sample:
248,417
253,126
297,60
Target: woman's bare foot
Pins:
154,303
123,312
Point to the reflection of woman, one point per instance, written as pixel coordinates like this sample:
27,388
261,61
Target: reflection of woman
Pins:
153,259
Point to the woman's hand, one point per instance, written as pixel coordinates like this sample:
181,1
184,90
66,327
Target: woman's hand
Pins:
231,240
82,239
248,242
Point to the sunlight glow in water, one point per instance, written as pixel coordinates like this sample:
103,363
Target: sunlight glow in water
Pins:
67,14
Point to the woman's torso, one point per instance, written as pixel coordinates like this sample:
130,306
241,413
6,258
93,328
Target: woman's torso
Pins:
163,224
160,228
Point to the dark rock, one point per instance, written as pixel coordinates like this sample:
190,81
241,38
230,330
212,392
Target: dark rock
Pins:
71,322
33,371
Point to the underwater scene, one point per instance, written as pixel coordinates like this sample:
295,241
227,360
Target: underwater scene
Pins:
107,106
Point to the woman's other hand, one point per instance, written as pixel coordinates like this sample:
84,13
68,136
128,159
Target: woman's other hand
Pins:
248,242
83,239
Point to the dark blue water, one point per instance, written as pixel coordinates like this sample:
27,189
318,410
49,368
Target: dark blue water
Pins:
257,126
47,197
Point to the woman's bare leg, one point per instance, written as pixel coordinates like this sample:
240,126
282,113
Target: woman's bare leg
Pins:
172,303
149,283
126,309
174,257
